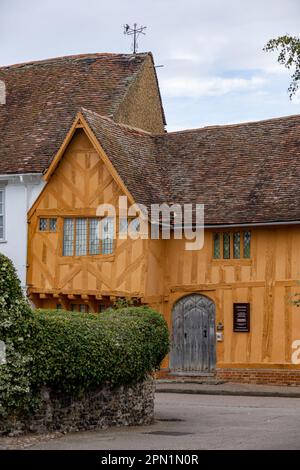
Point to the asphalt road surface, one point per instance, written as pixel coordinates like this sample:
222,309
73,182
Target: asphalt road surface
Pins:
200,422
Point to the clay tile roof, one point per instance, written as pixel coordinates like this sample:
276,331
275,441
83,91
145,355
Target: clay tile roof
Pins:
245,173
133,153
44,96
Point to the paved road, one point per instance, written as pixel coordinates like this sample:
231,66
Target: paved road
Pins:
201,422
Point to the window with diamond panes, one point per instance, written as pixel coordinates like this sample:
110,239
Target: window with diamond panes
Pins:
43,225
52,225
217,245
47,225
237,245
247,244
226,245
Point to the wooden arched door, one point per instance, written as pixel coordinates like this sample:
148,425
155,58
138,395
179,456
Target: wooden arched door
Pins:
193,343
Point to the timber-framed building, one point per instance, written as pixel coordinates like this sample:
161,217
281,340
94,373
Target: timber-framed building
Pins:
92,129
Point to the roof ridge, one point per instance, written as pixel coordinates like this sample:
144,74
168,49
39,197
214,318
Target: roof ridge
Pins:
95,55
240,124
118,124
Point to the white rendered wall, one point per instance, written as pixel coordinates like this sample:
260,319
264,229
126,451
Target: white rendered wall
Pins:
20,194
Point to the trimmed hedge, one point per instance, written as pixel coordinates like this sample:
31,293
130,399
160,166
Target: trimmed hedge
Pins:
68,351
74,351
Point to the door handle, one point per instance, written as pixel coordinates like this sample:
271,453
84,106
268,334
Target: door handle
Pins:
185,335
204,333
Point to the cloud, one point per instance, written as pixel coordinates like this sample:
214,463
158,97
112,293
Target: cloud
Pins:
209,86
212,51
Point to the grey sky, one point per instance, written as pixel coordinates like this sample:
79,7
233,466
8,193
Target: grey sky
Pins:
214,69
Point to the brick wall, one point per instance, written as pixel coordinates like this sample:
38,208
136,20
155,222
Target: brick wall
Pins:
260,376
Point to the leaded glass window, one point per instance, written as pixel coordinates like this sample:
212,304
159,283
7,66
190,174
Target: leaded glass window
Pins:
247,244
81,237
102,308
94,240
226,245
217,245
68,241
47,225
43,225
107,236
52,225
237,245
84,236
82,308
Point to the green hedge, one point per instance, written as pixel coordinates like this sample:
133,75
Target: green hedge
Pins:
74,351
70,352
15,320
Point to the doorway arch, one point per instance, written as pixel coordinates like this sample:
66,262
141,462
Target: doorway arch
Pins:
193,342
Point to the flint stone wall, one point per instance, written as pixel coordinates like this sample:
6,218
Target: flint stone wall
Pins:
126,405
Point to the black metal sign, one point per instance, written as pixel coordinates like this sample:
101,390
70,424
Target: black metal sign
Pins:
241,318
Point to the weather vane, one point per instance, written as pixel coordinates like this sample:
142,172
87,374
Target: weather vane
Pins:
135,32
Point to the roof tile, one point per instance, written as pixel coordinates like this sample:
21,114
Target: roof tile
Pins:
43,97
245,173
